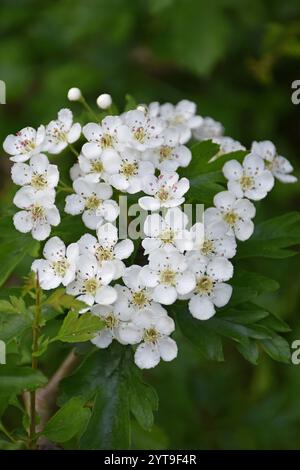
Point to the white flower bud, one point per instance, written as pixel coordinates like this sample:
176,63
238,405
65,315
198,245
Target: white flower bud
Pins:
142,108
74,94
104,101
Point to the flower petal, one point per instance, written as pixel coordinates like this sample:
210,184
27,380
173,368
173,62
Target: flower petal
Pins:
201,308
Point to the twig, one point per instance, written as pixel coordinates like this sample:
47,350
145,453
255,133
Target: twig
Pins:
34,362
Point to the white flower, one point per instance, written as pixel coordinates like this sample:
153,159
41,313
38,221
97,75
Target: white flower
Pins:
211,291
139,131
134,297
168,275
26,143
91,282
166,190
182,117
215,242
169,233
38,214
106,249
74,94
92,201
131,172
114,322
39,173
76,172
61,132
250,179
228,145
153,109
104,101
59,264
209,129
103,140
92,168
154,332
236,213
278,165
170,154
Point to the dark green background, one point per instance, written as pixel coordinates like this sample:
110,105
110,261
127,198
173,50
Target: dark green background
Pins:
236,59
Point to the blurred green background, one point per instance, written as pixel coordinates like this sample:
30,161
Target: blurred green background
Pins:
236,59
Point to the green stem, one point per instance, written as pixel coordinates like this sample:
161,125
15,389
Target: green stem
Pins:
6,433
88,108
72,148
65,188
34,362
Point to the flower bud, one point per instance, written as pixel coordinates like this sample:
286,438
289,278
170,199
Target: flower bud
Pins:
104,101
74,94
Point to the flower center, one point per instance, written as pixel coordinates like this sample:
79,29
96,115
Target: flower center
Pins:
129,169
270,165
140,299
168,277
37,212
27,145
246,182
59,134
230,217
207,247
178,119
38,181
140,135
151,335
92,202
167,236
111,321
103,254
162,194
165,152
107,141
96,166
60,267
204,285
91,285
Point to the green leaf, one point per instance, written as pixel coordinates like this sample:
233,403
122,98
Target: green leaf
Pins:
77,328
256,281
277,348
208,342
60,301
202,152
142,398
12,325
273,237
109,425
92,374
14,246
8,445
249,350
15,380
113,380
67,422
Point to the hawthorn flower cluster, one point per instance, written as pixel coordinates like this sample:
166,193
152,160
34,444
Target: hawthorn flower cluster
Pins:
139,151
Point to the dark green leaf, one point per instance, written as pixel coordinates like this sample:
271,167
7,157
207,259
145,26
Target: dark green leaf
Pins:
142,398
208,342
277,348
273,237
68,421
